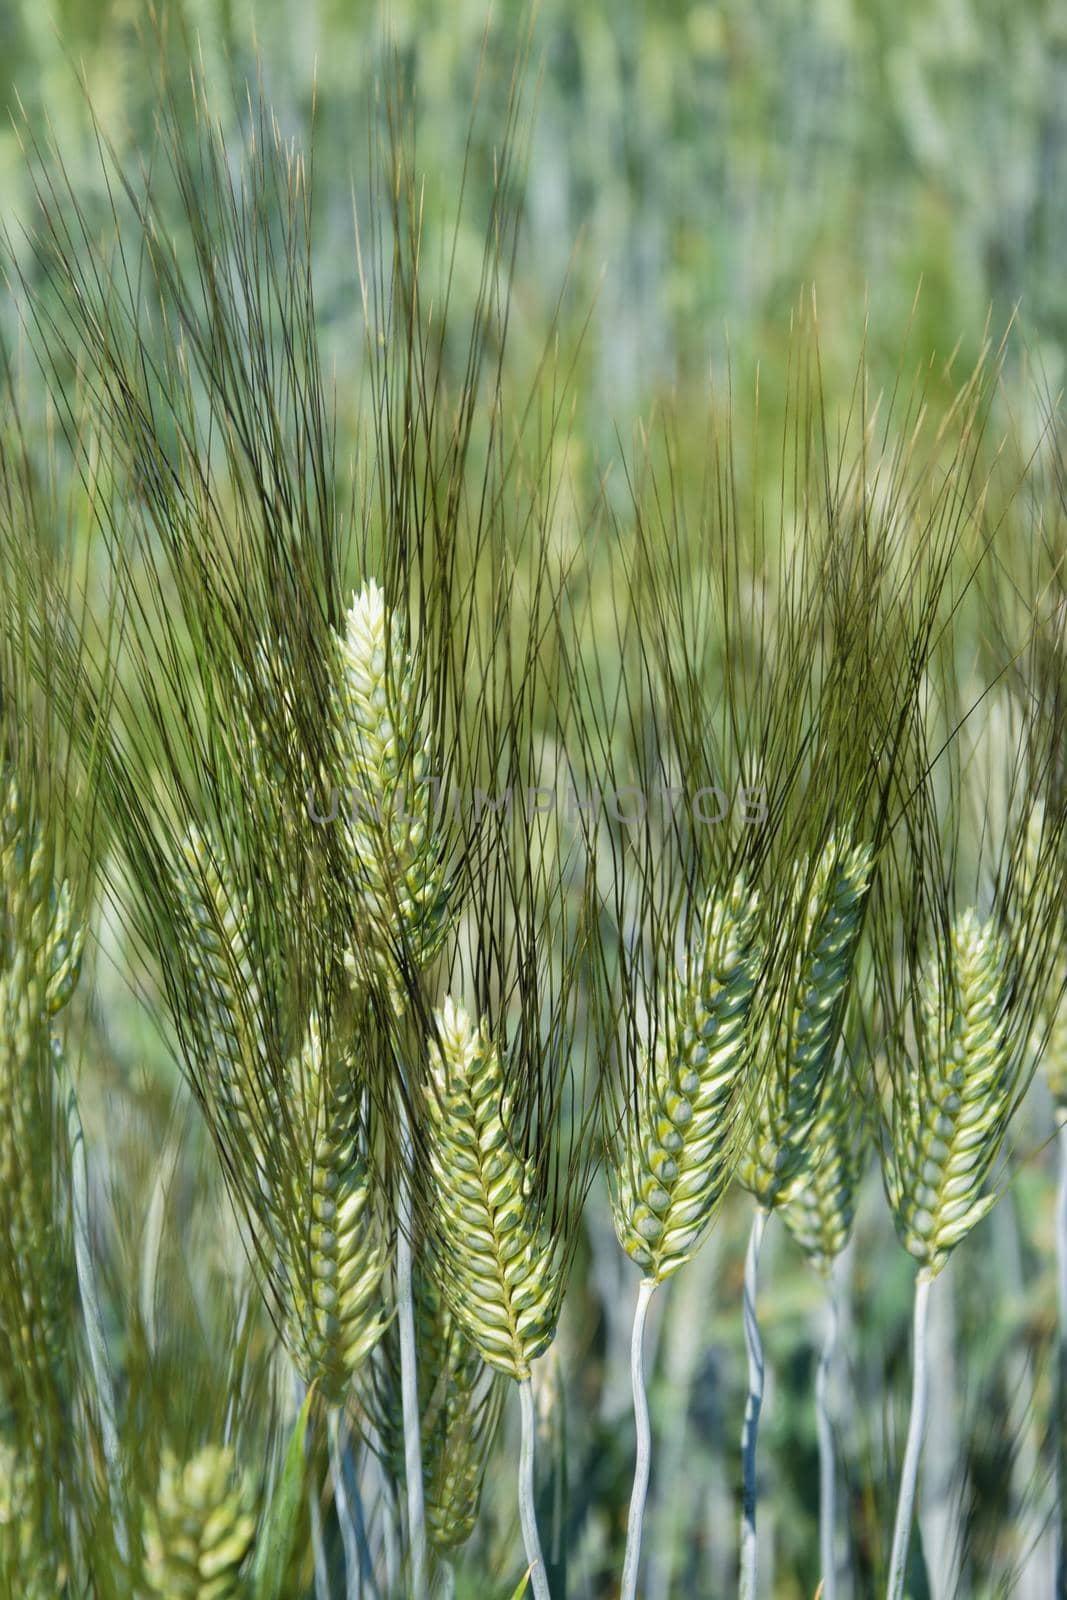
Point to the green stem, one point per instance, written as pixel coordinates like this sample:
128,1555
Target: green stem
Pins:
635,1524
753,1406
827,1462
409,1381
527,1500
909,1477
96,1338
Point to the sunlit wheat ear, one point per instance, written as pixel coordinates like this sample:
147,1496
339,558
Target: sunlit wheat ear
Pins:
334,1253
820,1207
948,1132
672,1162
397,852
200,1529
802,1049
498,1259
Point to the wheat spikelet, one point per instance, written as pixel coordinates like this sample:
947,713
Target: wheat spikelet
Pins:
42,942
397,855
200,1529
497,1256
334,1258
672,1164
820,1207
802,1049
948,1130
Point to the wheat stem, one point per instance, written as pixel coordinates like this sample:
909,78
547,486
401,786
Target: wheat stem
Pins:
349,1509
409,1382
95,1336
827,1461
318,1548
639,1493
913,1450
527,1512
1061,1350
753,1405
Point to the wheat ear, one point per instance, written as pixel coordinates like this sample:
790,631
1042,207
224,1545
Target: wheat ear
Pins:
334,1254
799,1049
200,1529
945,1139
819,1211
497,1258
676,1153
42,957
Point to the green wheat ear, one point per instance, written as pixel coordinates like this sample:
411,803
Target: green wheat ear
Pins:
334,1254
673,1161
814,992
948,1132
200,1529
497,1257
459,1406
820,1207
397,854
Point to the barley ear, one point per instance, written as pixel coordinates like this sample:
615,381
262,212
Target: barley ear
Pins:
947,1133
813,995
458,1422
335,1256
671,1165
497,1260
199,1530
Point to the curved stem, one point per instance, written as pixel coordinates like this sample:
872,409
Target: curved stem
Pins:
1061,1362
636,1520
827,1462
527,1513
96,1338
913,1450
409,1382
753,1406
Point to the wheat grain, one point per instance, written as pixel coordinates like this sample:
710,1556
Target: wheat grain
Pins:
820,1206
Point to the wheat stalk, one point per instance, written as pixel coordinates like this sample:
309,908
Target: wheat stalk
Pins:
673,1160
798,1047
200,1529
819,1210
497,1263
946,1136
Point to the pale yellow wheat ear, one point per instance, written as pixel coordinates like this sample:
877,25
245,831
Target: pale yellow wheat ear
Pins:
820,1206
812,990
674,1157
949,1126
388,802
199,1530
497,1258
334,1254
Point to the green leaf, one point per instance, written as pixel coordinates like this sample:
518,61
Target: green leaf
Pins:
274,1547
523,1581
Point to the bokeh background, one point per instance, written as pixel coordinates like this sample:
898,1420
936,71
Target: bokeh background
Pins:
693,173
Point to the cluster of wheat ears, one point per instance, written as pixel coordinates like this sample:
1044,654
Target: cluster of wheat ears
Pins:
423,1027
